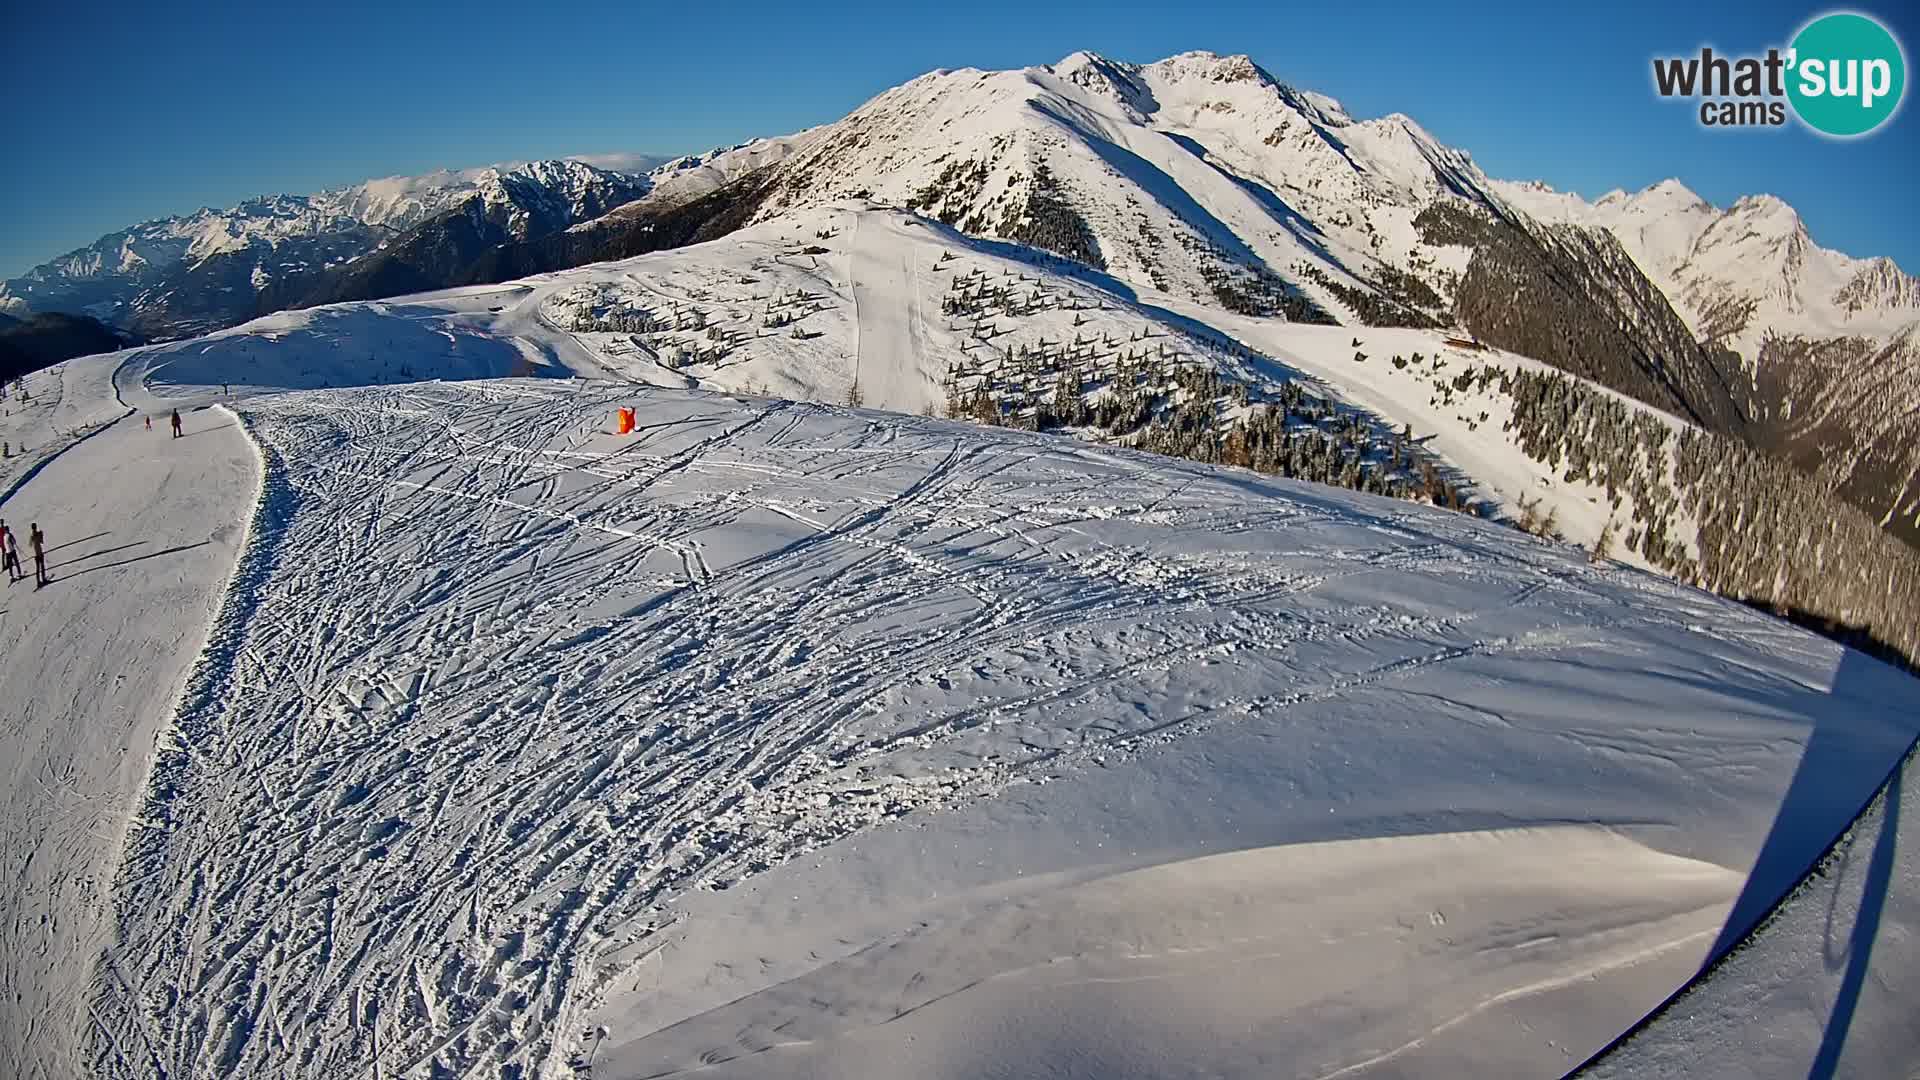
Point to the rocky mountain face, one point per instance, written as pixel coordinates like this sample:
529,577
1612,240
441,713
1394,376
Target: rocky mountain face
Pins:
1846,408
184,275
1828,369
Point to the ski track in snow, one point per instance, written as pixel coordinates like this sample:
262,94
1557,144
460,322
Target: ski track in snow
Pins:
141,535
502,689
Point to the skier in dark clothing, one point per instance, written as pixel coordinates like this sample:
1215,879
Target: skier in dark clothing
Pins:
39,542
176,423
9,554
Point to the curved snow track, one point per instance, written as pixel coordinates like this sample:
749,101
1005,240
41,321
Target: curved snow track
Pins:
142,533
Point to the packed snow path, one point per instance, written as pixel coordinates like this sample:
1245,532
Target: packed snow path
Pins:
511,696
142,531
890,364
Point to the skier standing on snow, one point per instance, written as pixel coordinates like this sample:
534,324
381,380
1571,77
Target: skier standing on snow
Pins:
9,554
176,423
39,542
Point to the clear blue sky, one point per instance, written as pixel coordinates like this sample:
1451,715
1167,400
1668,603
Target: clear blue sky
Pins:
121,111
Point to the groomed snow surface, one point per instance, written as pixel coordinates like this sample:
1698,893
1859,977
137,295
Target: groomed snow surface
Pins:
787,739
142,533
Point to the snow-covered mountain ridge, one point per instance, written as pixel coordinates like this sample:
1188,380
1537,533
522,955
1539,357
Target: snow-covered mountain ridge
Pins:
1198,173
1743,273
202,270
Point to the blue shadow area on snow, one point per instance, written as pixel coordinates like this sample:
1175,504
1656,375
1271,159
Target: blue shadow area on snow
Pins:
1276,207
1866,926
1833,785
1822,802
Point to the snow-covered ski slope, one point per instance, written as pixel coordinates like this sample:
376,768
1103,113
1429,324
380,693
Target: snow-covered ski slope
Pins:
811,304
788,739
782,738
142,531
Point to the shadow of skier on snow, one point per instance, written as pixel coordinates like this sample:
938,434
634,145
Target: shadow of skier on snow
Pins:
92,554
135,559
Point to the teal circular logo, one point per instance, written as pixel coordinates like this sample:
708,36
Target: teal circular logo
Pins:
1848,74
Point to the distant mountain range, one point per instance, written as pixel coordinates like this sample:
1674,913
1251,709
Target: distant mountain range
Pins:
1200,177
1829,344
179,276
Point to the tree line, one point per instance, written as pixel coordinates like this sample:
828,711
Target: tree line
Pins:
1765,533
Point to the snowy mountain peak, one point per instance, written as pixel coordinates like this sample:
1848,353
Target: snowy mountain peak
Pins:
1212,67
1423,138
1199,174
1667,199
1768,212
1670,191
572,190
1205,75
1074,64
1113,79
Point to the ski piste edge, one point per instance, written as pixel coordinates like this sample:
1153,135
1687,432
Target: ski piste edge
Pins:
1759,925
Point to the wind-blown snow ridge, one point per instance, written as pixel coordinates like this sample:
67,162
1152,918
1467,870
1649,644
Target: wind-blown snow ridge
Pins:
1824,987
